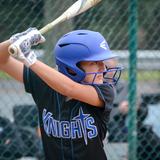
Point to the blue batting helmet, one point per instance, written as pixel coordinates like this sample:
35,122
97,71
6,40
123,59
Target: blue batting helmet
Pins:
77,46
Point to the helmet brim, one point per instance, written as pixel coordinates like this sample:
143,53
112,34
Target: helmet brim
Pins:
102,56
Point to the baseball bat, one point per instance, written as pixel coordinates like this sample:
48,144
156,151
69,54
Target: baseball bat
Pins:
77,8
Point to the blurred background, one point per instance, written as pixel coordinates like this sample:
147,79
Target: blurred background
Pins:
132,29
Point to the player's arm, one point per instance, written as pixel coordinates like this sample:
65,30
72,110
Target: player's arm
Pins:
9,64
66,86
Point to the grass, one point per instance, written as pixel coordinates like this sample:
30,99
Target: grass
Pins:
4,75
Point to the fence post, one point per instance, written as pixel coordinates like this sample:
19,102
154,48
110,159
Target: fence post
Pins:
132,126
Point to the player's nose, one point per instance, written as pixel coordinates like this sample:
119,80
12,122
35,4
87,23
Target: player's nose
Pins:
101,66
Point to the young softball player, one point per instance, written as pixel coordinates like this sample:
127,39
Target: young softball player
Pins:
74,102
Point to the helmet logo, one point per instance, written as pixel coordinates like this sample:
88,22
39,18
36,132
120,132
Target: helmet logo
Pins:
104,45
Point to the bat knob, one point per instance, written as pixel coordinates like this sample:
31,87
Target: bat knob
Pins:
12,49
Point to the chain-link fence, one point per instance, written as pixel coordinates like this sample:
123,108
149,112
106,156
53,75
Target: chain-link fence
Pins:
19,135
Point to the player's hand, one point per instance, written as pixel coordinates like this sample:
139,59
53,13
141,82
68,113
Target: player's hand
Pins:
30,32
22,45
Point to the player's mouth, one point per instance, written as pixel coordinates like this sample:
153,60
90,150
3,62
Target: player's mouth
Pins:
100,75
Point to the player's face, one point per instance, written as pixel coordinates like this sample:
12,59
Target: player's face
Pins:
111,63
90,67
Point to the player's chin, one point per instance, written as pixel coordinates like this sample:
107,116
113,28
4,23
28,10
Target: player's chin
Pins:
99,80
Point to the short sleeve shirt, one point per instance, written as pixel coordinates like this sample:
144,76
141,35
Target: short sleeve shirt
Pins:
71,130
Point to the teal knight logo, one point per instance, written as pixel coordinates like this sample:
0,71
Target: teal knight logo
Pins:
81,126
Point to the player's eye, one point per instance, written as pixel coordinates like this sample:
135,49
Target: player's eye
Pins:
93,63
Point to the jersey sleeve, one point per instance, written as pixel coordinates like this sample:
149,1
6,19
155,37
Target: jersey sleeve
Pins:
36,86
106,93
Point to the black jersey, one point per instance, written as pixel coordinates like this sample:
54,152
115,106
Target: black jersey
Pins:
71,130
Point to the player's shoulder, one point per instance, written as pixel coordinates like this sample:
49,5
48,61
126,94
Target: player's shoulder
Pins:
104,88
106,92
30,76
33,82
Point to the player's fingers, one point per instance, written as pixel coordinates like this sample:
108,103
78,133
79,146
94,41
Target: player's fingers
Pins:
35,36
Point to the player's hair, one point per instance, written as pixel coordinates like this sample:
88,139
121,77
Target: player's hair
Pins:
77,46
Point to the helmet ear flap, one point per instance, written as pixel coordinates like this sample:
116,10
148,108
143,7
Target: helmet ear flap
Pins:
70,71
75,73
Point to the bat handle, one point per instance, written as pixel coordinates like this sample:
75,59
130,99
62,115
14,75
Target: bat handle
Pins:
49,26
45,29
